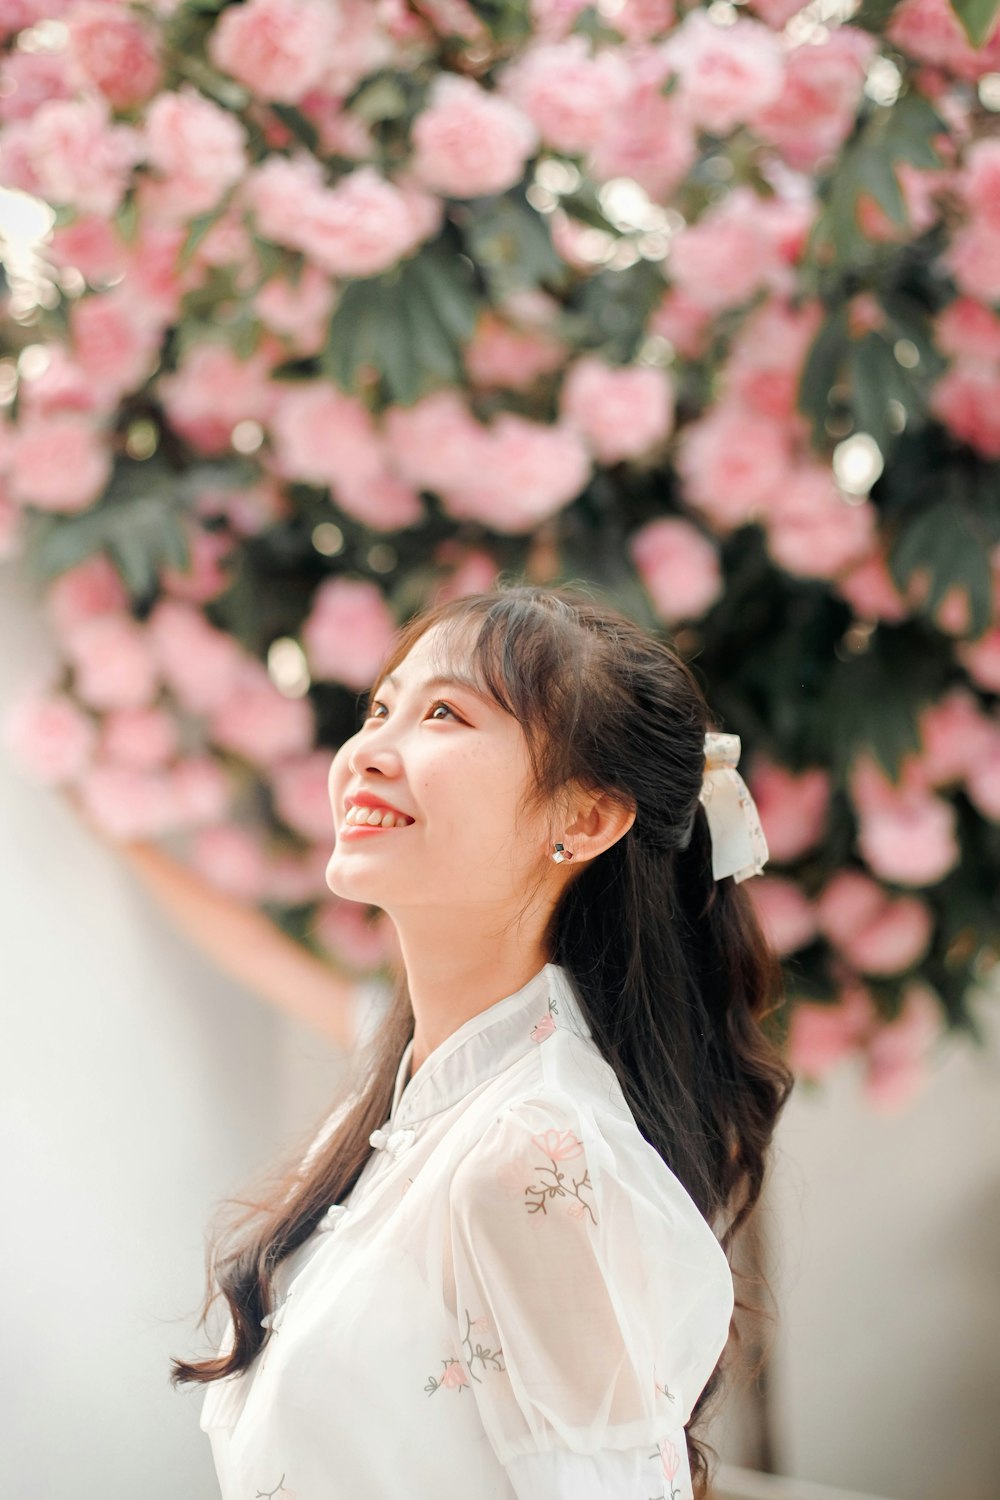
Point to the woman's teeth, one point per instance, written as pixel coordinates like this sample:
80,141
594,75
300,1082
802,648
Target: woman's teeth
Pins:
375,817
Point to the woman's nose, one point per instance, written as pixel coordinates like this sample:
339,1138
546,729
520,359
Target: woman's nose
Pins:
372,754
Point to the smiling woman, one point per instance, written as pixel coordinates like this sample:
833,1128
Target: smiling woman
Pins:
503,1267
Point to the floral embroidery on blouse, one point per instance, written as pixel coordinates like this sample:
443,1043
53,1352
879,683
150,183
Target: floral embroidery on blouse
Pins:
559,1145
670,1461
546,1026
279,1489
455,1376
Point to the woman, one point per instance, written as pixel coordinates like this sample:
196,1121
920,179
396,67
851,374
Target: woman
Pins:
503,1267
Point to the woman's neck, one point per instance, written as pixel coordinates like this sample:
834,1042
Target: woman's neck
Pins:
453,975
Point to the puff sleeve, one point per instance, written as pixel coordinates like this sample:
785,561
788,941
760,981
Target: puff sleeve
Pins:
592,1299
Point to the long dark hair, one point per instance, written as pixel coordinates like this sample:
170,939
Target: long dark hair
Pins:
671,967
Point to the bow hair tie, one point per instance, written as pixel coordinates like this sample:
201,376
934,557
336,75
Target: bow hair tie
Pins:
739,847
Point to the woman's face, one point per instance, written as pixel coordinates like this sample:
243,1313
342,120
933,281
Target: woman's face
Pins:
455,763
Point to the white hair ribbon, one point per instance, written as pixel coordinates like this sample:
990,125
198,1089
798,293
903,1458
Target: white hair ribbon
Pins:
739,847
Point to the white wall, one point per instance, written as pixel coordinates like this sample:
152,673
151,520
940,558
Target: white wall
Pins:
140,1088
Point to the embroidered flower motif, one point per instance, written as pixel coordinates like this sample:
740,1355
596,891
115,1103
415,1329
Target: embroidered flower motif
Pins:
559,1145
669,1463
456,1375
546,1026
663,1390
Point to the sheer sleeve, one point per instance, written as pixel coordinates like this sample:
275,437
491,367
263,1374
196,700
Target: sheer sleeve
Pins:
592,1299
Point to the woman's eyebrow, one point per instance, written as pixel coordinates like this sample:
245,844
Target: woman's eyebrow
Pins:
447,680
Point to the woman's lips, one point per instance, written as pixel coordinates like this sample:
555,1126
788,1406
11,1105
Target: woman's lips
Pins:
353,830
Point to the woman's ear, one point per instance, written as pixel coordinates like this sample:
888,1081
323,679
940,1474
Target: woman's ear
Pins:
598,821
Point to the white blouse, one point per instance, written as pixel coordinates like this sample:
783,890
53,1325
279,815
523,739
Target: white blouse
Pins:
518,1298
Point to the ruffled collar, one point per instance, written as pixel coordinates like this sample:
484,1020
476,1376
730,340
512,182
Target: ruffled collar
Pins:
485,1046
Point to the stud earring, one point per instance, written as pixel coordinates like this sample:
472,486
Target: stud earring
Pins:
561,853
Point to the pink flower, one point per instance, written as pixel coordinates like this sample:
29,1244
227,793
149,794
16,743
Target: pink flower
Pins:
974,260
981,659
812,529
683,322
726,256
899,1050
59,463
930,31
90,244
199,791
468,143
822,89
93,587
793,807
114,345
967,400
558,1145
679,566
197,145
784,911
733,462
670,1458
473,571
980,182
876,933
258,722
967,331
348,631
204,577
78,157
820,1035
29,80
567,92
299,312
869,589
59,388
200,664
727,73
776,12
383,502
905,835
115,51
279,48
301,795
620,412
232,859
767,356
126,803
212,390
531,470
983,779
346,929
543,1029
113,664
322,436
49,737
362,226
514,358
144,738
454,1375
954,734
650,137
436,444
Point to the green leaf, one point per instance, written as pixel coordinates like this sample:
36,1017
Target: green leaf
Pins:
872,701
977,18
947,541
447,284
821,371
511,244
869,399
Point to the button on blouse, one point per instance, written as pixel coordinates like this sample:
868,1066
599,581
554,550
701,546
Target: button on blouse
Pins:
519,1301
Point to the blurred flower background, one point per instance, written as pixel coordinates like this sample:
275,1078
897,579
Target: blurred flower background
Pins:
315,311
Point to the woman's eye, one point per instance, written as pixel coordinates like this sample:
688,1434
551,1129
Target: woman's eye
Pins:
447,706
371,714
